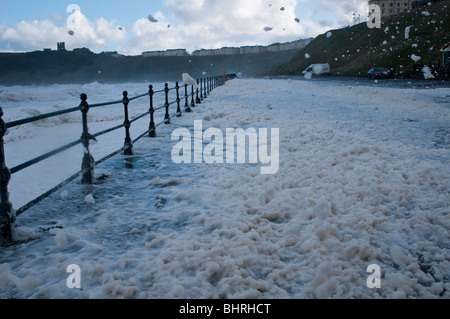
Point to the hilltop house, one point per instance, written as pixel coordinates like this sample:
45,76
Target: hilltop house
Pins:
390,7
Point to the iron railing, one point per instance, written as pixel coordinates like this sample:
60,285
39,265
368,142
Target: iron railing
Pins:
197,94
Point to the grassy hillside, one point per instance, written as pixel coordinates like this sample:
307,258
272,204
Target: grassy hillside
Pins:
71,67
349,48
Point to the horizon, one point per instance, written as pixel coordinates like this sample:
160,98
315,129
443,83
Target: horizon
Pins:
161,25
170,49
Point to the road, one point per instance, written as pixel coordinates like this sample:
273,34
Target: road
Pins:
393,83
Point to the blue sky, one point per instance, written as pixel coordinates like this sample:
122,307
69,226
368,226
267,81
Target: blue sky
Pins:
14,11
27,25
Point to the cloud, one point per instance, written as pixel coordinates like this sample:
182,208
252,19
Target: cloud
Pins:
344,9
109,30
197,24
236,17
36,35
194,24
29,35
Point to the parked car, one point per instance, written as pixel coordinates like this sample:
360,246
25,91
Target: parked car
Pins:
378,73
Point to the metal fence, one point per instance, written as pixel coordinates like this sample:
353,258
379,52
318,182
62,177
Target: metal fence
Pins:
192,95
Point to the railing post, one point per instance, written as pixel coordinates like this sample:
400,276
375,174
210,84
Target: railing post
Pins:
166,105
128,145
5,177
187,108
201,89
197,99
151,127
192,97
209,84
205,87
177,87
87,166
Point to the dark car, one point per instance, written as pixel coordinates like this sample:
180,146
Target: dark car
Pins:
378,73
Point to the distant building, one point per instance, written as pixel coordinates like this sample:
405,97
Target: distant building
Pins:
294,45
61,46
175,52
420,3
227,51
252,49
152,54
390,7
204,52
276,47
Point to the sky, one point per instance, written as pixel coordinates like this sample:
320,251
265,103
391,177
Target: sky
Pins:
134,26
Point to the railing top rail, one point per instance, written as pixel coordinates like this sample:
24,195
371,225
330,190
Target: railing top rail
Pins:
43,157
40,117
105,104
159,108
70,110
138,96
